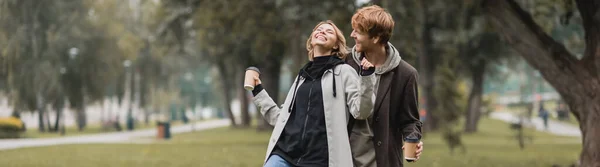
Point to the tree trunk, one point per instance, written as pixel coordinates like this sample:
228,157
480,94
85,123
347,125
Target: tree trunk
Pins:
41,124
103,110
226,85
270,77
577,81
146,116
16,113
590,128
81,117
475,99
47,121
426,71
111,104
132,78
244,107
58,115
41,110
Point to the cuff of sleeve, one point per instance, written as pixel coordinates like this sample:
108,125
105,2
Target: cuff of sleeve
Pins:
257,89
367,72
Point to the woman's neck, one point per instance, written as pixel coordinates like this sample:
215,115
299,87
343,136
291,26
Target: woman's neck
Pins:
319,51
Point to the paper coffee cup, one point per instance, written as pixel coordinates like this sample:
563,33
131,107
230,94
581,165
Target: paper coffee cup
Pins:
410,149
249,81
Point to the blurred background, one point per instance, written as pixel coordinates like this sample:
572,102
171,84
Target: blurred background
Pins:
159,82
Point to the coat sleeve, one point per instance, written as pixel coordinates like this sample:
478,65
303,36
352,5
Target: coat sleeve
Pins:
267,107
409,123
358,91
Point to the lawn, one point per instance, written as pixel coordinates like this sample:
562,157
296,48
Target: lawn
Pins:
90,129
225,147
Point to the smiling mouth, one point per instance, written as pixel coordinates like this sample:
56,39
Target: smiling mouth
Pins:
321,37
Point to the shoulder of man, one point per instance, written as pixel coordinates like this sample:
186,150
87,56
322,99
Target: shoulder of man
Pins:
406,69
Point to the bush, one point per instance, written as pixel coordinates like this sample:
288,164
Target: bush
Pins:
11,127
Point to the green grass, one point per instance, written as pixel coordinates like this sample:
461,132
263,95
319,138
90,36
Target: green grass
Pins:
492,146
90,129
495,145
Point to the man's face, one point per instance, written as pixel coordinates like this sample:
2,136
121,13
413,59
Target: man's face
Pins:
363,42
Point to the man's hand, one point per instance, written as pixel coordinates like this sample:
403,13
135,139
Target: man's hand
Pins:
419,150
366,64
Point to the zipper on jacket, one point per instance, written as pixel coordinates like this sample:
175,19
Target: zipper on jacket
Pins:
307,110
306,121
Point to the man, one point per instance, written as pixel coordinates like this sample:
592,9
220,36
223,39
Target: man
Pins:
377,141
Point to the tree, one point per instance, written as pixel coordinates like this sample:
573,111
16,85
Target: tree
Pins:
575,79
429,13
448,94
217,37
59,54
31,50
484,52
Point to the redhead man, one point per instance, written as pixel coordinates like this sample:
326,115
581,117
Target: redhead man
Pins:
377,141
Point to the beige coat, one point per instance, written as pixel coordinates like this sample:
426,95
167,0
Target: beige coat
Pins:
356,102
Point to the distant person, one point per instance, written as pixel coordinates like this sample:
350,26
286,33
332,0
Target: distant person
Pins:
311,126
544,114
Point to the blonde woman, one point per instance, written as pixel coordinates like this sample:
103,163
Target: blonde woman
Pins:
311,125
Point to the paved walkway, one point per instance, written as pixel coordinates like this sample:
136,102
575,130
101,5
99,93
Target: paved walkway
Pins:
554,127
112,137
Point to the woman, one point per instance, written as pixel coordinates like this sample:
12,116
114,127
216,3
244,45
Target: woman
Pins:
311,126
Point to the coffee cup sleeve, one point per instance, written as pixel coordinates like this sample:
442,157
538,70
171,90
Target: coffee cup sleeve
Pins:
253,68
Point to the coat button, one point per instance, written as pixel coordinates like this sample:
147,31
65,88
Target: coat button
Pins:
376,119
379,143
273,140
283,121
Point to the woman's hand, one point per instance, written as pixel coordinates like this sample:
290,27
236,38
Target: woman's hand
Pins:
257,81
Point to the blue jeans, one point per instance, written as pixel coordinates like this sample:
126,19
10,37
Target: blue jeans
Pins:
277,161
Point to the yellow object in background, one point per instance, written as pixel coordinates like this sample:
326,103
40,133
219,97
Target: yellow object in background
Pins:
11,123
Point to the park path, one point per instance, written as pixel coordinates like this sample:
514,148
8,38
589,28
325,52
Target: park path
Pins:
554,127
111,137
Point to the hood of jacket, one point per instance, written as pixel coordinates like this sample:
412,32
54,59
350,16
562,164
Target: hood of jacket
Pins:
392,61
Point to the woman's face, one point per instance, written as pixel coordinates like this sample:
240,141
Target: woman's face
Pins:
324,36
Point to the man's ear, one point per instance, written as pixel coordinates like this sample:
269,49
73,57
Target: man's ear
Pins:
376,39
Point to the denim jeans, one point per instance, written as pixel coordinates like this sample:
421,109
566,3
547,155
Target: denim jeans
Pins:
277,161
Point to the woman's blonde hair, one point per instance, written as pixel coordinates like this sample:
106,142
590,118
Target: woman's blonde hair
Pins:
340,48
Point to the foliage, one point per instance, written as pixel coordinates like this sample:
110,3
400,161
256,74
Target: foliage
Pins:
449,97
